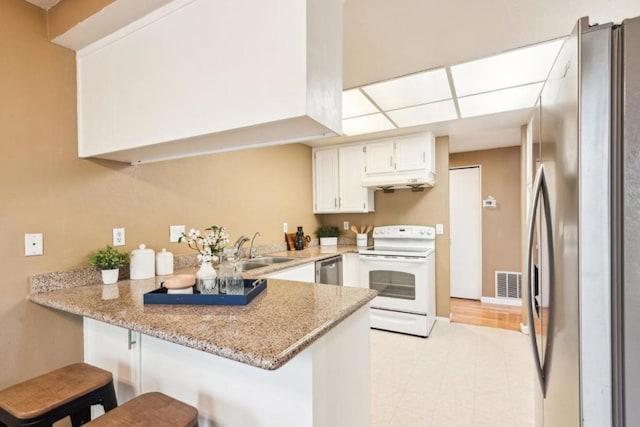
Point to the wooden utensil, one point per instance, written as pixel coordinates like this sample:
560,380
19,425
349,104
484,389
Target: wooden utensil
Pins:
354,229
362,228
369,228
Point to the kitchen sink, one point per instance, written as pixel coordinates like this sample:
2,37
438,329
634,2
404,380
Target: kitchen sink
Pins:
271,259
250,265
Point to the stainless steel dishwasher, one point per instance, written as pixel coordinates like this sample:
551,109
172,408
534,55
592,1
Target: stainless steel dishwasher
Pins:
329,271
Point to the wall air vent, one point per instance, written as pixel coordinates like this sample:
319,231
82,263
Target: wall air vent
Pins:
508,284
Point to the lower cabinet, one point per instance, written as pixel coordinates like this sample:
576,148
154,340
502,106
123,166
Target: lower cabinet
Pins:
300,273
326,384
116,350
351,270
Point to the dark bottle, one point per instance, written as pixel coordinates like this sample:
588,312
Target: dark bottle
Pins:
299,239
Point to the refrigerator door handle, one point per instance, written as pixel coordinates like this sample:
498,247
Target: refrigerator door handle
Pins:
539,188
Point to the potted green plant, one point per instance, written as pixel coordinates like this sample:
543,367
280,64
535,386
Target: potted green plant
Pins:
328,235
109,261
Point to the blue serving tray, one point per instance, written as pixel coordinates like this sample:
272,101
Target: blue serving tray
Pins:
160,296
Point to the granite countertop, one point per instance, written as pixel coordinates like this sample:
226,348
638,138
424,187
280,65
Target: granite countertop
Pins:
278,324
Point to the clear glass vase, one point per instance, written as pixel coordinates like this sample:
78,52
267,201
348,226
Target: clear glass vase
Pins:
206,279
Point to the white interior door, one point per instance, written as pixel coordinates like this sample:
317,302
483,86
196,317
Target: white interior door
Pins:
465,222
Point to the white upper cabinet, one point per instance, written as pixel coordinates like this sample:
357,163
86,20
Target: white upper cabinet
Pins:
325,181
399,162
337,180
379,157
212,76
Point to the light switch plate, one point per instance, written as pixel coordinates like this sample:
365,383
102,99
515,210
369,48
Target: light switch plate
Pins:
175,231
439,229
33,244
285,227
345,225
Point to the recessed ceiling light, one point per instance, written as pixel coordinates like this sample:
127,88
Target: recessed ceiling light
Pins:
499,101
354,104
366,124
409,91
513,68
423,114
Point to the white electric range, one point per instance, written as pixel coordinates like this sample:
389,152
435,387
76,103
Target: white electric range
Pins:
401,267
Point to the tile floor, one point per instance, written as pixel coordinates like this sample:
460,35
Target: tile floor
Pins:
461,376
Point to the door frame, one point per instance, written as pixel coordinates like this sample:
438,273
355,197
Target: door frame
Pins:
479,167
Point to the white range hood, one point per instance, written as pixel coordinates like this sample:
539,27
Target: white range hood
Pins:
204,76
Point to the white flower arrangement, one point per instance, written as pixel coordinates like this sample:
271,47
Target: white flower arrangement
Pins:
209,244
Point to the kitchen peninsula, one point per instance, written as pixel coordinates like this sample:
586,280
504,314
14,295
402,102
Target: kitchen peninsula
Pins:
298,354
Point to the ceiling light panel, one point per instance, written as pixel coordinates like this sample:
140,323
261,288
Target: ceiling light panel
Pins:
423,114
499,101
354,104
416,89
513,68
366,124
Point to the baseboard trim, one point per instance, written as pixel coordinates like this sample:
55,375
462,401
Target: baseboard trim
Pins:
524,329
443,319
501,301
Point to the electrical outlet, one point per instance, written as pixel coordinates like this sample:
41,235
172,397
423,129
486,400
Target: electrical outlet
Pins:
439,229
175,231
345,225
285,227
118,236
33,244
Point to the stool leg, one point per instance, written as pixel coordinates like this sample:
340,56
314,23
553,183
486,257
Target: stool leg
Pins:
80,417
109,400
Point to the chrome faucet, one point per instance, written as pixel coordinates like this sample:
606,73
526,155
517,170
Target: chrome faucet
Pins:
238,245
252,250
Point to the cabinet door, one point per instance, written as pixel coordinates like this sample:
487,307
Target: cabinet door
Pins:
351,270
379,158
411,153
325,181
116,350
300,273
353,196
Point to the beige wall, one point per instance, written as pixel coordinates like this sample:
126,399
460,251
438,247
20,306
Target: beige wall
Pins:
426,208
501,230
75,203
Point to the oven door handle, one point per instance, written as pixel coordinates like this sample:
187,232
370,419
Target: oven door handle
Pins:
387,258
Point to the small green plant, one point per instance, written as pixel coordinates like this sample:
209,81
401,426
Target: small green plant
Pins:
328,231
108,259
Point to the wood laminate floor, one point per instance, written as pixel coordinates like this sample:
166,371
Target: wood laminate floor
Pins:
476,313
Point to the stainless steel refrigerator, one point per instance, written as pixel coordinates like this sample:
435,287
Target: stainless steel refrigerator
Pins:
583,258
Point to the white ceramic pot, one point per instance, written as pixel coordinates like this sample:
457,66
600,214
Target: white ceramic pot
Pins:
109,277
143,263
328,241
361,239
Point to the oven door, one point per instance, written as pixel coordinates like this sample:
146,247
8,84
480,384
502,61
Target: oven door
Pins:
401,282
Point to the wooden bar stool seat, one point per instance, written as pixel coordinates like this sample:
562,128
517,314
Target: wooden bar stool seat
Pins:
149,409
68,391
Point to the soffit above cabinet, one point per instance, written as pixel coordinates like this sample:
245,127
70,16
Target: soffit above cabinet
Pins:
210,77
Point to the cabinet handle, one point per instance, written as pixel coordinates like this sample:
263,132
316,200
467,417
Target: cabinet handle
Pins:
390,160
335,202
131,341
339,201
424,157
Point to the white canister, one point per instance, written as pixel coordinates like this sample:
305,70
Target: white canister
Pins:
142,263
164,263
361,239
